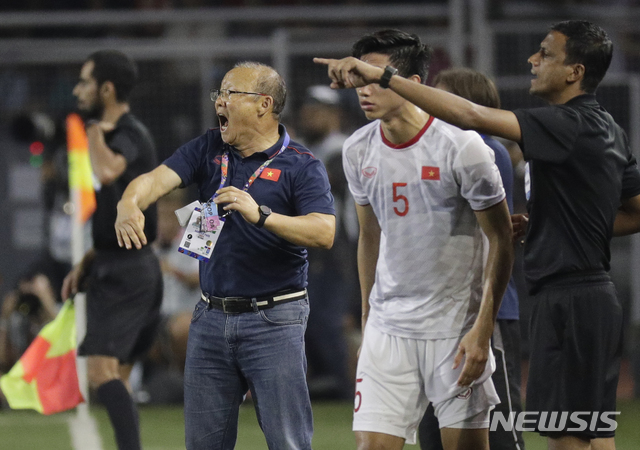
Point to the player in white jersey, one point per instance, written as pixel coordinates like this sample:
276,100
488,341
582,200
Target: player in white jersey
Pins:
425,191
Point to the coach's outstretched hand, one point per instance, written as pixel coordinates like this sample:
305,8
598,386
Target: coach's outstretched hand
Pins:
130,225
350,72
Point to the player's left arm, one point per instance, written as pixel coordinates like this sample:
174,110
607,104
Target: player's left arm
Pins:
628,217
495,222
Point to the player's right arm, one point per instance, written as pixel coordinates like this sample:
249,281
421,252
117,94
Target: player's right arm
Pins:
368,248
140,193
351,72
495,223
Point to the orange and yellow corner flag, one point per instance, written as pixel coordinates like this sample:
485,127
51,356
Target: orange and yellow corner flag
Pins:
45,377
80,174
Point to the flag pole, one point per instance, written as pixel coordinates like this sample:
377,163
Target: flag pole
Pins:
79,181
80,302
84,429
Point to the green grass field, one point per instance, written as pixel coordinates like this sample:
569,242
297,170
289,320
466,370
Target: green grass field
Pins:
162,429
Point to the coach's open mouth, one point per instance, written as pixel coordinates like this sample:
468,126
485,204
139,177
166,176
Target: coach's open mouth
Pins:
224,122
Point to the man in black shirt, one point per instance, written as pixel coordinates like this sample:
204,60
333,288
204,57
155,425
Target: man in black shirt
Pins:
585,188
124,289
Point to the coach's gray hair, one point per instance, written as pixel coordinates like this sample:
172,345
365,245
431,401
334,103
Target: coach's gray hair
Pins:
269,82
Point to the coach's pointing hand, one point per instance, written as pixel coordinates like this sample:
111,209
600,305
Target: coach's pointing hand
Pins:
350,72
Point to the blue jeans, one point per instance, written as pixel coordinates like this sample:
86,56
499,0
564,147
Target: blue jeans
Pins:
228,354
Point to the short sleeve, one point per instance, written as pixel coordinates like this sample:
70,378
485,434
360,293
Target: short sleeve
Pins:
352,174
548,133
187,160
124,142
312,189
477,175
631,179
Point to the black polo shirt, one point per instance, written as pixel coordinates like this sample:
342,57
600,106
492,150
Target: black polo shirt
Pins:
580,167
248,261
131,139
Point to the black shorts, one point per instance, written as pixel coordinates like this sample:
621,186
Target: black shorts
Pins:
576,347
124,296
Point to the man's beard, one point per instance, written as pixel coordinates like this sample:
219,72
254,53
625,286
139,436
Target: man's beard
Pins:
93,113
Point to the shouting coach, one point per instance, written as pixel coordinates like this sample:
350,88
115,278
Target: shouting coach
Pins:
247,331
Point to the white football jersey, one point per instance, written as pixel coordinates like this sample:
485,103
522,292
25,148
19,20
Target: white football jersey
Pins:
429,273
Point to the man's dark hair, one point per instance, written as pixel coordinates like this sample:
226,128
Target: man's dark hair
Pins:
469,84
406,52
589,45
115,66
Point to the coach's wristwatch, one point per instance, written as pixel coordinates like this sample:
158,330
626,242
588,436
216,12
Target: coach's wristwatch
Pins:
265,212
386,76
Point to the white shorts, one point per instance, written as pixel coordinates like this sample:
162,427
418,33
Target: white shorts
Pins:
398,377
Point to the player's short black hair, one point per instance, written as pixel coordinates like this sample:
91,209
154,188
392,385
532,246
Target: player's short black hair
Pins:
589,45
115,66
406,52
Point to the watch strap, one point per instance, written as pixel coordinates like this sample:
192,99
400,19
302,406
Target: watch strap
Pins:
386,76
262,219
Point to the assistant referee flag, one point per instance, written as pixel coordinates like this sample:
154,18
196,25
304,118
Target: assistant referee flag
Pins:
80,174
45,377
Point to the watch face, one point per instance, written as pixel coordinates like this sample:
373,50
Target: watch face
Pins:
265,210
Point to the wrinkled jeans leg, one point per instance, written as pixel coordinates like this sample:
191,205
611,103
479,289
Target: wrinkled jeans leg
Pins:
272,357
213,385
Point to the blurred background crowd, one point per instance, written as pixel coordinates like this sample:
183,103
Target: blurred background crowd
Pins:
183,48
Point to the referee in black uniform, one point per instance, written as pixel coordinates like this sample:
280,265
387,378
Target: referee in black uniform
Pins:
585,188
124,289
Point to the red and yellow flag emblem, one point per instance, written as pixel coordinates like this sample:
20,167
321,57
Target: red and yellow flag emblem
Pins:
45,377
430,173
270,174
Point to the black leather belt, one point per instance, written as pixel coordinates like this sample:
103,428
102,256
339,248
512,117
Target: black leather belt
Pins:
236,305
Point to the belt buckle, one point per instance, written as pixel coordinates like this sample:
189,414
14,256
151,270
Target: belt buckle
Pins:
227,302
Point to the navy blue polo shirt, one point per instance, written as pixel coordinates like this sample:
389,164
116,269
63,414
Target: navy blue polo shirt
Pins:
248,261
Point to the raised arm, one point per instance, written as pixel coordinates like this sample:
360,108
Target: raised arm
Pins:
352,72
140,193
495,222
106,164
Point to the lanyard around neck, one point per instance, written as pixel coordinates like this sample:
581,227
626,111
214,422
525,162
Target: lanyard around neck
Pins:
225,165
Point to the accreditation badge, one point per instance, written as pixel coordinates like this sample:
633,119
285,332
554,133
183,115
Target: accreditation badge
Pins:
198,241
209,220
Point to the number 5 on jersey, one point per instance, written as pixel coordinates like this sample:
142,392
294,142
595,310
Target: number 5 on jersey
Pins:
403,202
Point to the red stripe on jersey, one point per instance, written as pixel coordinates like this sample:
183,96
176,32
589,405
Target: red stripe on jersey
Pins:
409,143
302,153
